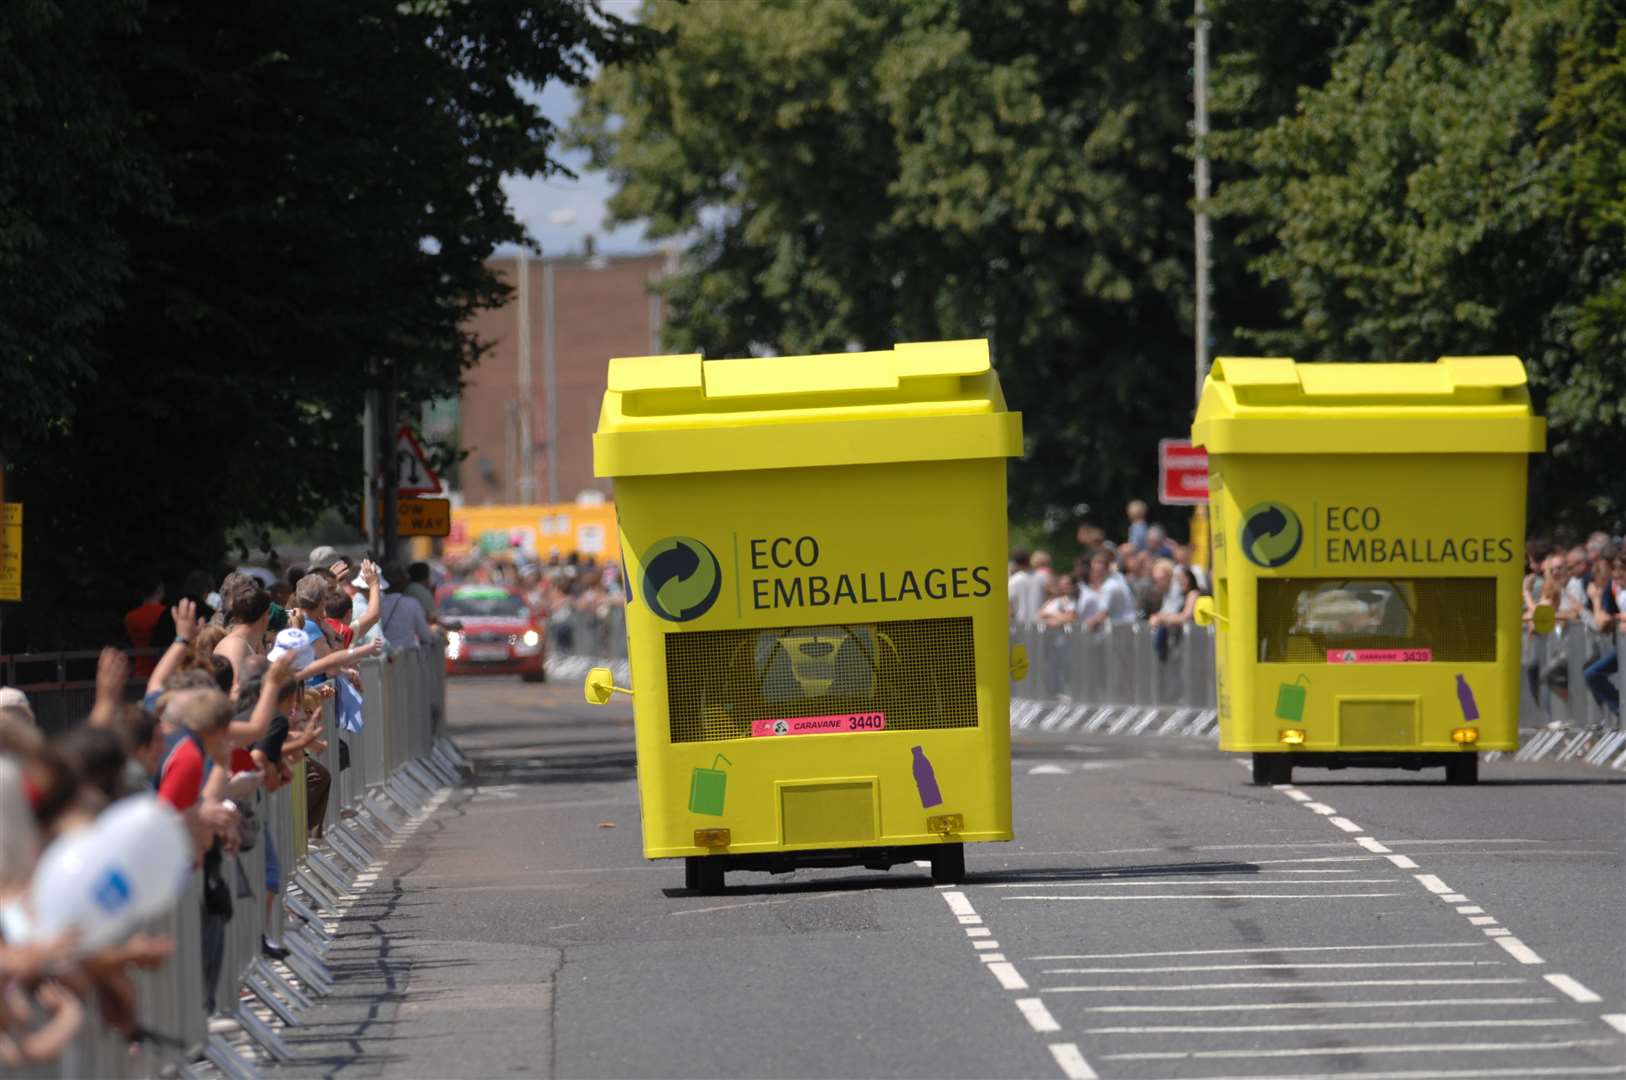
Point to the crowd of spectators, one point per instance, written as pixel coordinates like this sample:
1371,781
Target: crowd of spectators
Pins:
1585,585
574,593
228,711
1148,579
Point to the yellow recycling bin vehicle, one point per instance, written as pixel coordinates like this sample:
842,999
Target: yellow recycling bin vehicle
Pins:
817,628
1368,524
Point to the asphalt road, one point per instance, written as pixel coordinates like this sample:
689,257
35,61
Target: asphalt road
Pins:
1157,917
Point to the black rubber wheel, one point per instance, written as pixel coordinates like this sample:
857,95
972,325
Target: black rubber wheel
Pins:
534,676
948,864
1271,769
1462,770
703,875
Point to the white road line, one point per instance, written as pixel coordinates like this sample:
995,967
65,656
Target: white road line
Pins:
1273,1006
1482,920
1371,845
1350,1051
1295,795
958,903
1038,1017
1345,824
1573,989
1470,910
1432,883
1263,949
1206,896
1073,1065
1120,882
1320,808
1498,931
970,920
1008,976
1454,898
1517,949
1470,840
1275,985
988,944
1442,1074
992,958
1403,862
1270,967
977,931
1375,1025
1615,1020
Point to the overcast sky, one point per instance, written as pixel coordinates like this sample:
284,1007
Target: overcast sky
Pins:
543,206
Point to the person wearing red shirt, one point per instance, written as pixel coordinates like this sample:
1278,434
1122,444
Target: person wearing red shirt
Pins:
139,623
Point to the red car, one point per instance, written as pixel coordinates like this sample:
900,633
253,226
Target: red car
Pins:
498,635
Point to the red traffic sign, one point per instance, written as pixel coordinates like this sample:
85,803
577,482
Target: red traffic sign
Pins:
413,476
1182,473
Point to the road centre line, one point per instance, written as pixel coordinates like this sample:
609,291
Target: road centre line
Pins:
1272,1006
958,903
1573,989
989,958
1345,824
1271,967
1348,1051
1320,808
1498,931
977,931
1371,845
1296,795
1471,909
1008,976
1209,896
970,920
1373,1025
1616,1021
1263,949
1073,1065
1432,883
1403,862
1482,920
989,943
1277,984
1038,1017
1517,949
1454,898
1441,1074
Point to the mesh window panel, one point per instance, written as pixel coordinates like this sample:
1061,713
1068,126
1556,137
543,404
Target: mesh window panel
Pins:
921,674
1302,619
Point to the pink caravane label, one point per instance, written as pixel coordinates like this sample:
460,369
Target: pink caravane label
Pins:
820,725
1380,656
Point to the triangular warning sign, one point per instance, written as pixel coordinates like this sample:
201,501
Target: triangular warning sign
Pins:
413,476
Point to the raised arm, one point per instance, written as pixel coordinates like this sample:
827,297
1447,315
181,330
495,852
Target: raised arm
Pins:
185,614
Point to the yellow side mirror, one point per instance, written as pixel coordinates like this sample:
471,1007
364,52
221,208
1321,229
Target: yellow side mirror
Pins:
600,687
1542,620
1019,662
1205,614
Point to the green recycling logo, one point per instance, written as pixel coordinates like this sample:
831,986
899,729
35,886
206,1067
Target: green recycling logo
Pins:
681,578
1271,534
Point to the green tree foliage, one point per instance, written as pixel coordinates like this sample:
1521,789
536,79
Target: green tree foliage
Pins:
863,172
1451,184
214,219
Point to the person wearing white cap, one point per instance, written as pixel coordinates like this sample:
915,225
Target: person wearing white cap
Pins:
11,697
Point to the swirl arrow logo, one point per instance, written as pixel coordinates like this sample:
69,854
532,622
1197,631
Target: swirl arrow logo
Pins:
681,578
1271,534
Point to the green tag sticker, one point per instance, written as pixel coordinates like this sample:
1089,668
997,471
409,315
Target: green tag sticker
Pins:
1290,700
708,788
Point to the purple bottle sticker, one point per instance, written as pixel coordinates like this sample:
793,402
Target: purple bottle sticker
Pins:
1465,697
926,779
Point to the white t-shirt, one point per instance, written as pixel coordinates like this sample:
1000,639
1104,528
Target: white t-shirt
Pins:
1027,595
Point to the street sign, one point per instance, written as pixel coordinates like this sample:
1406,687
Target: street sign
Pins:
11,553
1182,473
413,476
423,517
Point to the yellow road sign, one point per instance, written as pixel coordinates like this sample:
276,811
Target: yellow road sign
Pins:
11,552
423,517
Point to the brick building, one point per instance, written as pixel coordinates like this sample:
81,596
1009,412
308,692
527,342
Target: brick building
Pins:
527,415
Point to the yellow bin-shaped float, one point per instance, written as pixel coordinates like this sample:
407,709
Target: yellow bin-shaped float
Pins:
1368,524
815,548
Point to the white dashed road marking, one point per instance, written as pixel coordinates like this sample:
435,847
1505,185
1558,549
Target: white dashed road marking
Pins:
1573,989
1356,1051
1008,976
1264,949
1345,824
1403,862
1072,1063
1432,883
1616,1021
1517,949
1371,845
1038,1016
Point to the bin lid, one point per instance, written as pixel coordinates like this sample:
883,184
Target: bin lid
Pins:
1455,405
922,401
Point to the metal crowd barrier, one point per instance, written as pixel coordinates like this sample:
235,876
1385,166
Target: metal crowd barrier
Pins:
398,760
580,639
1561,717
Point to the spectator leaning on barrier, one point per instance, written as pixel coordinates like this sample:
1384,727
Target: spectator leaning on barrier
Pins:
1608,597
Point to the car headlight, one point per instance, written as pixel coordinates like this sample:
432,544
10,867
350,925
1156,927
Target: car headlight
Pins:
532,638
453,638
